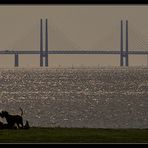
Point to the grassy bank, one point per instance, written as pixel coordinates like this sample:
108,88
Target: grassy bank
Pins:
74,135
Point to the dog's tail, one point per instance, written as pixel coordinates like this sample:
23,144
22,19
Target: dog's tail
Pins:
21,111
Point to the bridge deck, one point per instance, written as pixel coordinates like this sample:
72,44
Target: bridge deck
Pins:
71,52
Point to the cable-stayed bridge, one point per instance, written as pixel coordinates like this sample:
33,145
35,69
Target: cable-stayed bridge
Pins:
72,52
44,51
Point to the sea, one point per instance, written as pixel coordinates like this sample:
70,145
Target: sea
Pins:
101,97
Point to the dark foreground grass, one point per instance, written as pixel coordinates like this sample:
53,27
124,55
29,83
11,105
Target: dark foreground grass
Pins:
74,135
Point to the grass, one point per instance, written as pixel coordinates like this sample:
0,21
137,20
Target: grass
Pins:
74,135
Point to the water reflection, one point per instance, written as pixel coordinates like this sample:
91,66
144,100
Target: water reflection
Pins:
102,98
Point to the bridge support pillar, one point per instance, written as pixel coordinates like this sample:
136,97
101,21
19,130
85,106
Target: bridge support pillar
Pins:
43,54
124,53
16,63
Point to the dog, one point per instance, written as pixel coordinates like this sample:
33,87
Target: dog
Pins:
1,125
13,119
5,126
26,126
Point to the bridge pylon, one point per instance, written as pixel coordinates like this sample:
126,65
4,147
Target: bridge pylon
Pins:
16,61
43,53
124,51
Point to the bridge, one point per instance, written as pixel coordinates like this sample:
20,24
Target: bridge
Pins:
73,52
123,52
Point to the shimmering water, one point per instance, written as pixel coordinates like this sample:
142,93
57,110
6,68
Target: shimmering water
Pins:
102,98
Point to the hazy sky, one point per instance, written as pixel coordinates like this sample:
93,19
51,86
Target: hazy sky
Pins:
72,27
